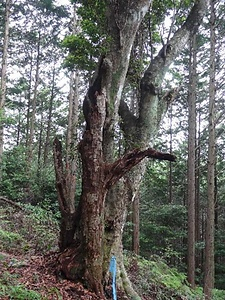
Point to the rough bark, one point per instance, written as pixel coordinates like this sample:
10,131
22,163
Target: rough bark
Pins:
83,259
66,204
191,162
209,271
71,138
99,221
153,102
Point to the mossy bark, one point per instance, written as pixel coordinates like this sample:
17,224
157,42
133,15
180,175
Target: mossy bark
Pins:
101,214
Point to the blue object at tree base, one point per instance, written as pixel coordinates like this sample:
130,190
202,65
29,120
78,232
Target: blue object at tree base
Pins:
112,270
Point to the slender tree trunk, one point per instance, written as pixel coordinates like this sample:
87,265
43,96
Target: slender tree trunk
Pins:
66,177
3,78
210,221
198,217
191,162
71,139
33,113
136,225
29,106
19,123
40,141
170,165
49,121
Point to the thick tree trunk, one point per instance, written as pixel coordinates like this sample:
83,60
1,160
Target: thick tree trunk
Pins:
141,130
66,204
99,221
85,259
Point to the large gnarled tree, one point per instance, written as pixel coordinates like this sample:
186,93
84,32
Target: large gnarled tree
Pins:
92,234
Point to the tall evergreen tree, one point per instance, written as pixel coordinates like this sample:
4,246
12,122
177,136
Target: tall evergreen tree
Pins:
209,271
191,161
3,77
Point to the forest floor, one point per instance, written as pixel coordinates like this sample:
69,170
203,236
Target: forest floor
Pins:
28,258
37,273
28,264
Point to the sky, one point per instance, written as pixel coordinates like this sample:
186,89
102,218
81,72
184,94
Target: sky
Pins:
63,2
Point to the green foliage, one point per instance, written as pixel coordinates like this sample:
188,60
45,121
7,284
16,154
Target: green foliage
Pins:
33,229
12,289
218,294
10,240
9,287
81,52
19,292
44,229
15,177
93,16
86,46
155,277
160,219
160,9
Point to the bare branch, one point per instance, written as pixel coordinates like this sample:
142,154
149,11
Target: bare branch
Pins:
12,203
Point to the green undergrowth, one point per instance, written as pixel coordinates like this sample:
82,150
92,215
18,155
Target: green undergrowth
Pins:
32,229
18,292
24,232
10,288
156,278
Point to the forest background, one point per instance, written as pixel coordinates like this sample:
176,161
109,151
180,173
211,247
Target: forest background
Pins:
42,83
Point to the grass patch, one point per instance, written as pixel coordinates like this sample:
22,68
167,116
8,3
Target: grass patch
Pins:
154,277
10,287
10,240
19,292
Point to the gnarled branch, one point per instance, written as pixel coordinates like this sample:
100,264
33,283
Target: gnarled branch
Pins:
124,164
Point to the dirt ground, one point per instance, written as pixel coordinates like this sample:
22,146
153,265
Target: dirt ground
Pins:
38,273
